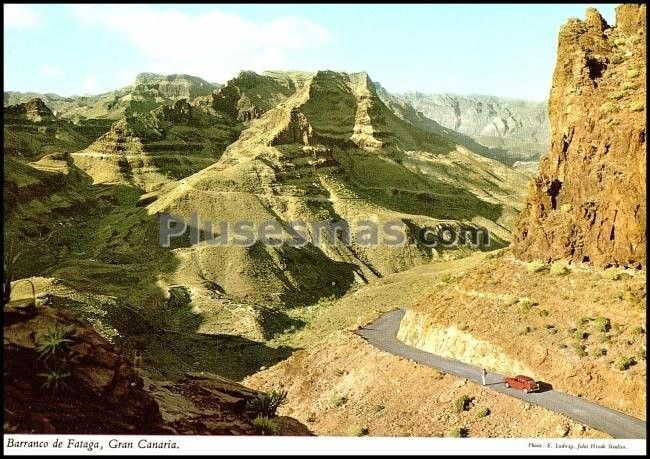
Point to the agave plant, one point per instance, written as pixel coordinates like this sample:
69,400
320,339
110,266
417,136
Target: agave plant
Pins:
266,404
54,341
55,380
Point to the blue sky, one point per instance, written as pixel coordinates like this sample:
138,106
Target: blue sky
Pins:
505,50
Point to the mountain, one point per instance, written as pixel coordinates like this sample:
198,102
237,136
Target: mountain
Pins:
587,203
520,128
31,131
149,149
277,147
148,91
330,150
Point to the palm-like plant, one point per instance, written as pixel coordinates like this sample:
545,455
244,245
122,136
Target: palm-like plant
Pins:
266,404
55,380
54,341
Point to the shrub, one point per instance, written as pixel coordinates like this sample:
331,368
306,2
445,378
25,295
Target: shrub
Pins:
616,95
629,85
559,268
55,380
619,41
483,412
617,59
579,349
458,432
544,313
523,329
357,431
447,278
536,266
265,426
337,400
602,324
266,404
638,330
54,341
600,352
566,208
613,274
624,363
179,297
462,403
379,408
607,107
633,73
526,304
580,334
637,107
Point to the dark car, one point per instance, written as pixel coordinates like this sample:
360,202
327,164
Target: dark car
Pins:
521,382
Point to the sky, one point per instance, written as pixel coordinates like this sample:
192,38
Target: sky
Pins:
502,50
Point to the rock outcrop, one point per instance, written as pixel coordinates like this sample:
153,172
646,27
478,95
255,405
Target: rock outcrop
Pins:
84,385
62,377
33,110
588,202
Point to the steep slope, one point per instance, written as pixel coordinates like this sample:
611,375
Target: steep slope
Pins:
31,131
519,128
249,95
329,151
587,204
86,385
569,324
149,149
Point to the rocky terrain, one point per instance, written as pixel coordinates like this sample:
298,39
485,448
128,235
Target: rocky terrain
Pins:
580,330
569,307
61,376
587,202
516,130
87,179
345,387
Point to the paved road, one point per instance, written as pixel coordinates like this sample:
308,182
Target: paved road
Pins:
382,334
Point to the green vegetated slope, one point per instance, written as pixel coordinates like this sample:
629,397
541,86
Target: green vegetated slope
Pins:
333,150
278,146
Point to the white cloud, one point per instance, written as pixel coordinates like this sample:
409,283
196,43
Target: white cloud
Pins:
20,17
214,45
89,85
51,70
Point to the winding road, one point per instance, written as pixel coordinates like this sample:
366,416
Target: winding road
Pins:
382,334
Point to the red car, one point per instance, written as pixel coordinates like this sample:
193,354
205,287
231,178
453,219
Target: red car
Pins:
522,382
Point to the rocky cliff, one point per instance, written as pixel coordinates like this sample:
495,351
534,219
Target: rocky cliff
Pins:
517,127
588,202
